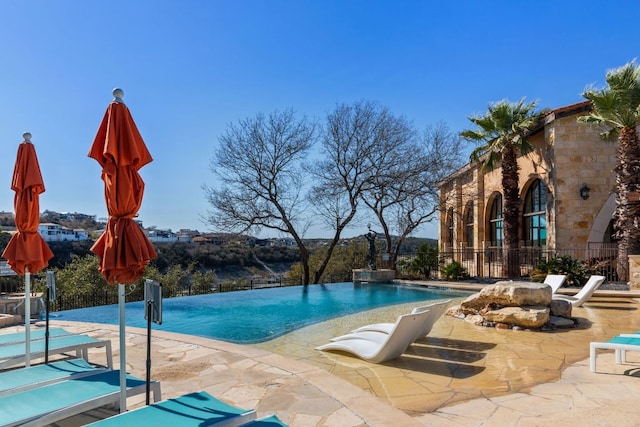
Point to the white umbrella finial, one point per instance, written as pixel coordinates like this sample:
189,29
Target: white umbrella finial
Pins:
27,136
118,94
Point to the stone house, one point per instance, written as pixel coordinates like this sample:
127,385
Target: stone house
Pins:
567,199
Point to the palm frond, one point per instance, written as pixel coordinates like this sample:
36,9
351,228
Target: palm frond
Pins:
610,135
617,105
504,123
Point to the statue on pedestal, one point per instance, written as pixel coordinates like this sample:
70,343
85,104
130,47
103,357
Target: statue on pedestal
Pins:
371,237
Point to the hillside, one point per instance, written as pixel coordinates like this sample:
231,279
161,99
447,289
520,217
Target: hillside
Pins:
229,261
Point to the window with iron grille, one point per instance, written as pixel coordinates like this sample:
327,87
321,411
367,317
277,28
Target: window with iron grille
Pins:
495,222
535,215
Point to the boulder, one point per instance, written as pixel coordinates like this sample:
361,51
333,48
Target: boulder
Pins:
561,322
508,294
532,317
476,319
560,308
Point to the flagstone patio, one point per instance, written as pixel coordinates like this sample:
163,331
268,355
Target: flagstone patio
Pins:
461,375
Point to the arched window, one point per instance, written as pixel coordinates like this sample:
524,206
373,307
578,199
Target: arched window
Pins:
609,234
535,215
496,235
468,225
450,227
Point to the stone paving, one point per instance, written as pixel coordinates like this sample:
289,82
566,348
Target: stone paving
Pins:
461,375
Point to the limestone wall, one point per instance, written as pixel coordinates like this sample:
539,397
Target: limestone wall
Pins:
581,156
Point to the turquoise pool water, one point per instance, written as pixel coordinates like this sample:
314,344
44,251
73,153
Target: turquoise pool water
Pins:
263,314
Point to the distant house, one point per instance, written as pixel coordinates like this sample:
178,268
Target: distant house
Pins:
161,236
75,216
186,235
210,238
51,232
271,242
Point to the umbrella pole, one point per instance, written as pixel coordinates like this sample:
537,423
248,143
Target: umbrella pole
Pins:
27,317
149,313
46,327
123,357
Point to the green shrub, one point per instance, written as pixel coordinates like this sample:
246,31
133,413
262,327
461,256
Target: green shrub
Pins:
454,271
576,271
420,266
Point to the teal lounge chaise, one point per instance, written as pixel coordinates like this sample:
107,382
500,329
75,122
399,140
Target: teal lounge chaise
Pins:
36,334
14,354
194,409
48,404
17,380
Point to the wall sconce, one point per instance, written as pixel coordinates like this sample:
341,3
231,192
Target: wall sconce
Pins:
584,191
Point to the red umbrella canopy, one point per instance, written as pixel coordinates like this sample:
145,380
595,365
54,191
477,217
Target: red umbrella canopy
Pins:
27,248
123,248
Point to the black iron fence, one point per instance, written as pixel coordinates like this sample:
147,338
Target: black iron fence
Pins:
136,293
490,263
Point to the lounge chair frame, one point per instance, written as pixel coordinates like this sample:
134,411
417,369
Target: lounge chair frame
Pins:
620,344
13,354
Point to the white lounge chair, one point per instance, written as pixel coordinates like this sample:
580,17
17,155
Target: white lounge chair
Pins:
621,344
555,281
435,312
386,346
584,294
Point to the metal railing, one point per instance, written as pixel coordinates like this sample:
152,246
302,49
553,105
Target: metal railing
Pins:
489,263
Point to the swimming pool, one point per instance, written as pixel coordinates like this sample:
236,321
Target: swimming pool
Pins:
259,315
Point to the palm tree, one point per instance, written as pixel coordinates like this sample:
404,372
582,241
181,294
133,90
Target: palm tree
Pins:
618,108
502,135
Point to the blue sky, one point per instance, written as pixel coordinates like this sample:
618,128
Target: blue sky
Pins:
189,68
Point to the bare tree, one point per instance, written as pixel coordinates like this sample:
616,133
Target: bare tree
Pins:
404,194
355,141
260,165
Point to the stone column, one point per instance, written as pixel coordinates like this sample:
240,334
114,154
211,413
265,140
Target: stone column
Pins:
634,272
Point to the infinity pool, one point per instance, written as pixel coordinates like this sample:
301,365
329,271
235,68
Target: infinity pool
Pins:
263,314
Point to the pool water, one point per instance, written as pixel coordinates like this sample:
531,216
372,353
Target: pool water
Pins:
262,314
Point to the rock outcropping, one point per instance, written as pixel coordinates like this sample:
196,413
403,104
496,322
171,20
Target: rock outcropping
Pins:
509,304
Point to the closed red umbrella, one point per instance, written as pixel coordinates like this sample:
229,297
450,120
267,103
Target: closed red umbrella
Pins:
27,252
123,248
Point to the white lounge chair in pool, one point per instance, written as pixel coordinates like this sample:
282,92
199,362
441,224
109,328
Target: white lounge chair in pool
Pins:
193,409
13,354
435,312
48,404
379,346
621,344
555,281
584,294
